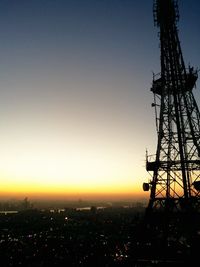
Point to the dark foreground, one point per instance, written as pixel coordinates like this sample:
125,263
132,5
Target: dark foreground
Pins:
98,238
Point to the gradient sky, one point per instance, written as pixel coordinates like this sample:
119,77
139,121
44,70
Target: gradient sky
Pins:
75,100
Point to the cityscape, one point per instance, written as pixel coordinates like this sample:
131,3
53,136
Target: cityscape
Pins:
68,236
88,236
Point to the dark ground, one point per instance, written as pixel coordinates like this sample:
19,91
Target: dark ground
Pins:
107,237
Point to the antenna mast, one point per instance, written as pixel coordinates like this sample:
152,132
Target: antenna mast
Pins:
175,169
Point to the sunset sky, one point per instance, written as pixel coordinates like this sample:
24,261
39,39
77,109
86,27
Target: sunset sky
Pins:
75,100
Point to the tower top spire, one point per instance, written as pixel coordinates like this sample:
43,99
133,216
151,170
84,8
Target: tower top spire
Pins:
165,12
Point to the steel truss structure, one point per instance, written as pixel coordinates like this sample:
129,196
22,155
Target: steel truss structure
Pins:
175,169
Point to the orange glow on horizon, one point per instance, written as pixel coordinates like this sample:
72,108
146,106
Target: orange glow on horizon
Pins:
28,189
73,196
58,191
52,169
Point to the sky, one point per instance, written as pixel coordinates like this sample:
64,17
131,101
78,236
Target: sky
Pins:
75,101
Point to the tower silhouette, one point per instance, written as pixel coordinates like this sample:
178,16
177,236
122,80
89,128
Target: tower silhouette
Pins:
175,169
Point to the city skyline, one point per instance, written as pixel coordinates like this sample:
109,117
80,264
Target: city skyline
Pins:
75,100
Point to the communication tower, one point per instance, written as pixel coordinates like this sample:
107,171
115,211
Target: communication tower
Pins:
175,169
